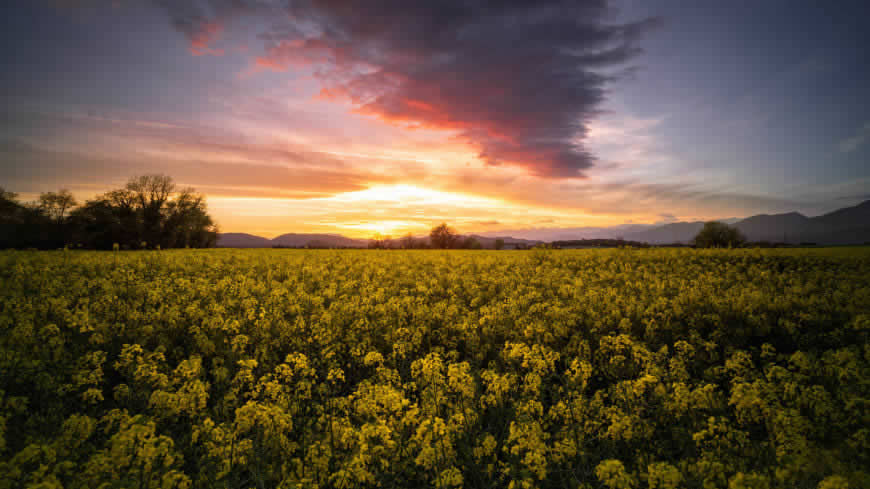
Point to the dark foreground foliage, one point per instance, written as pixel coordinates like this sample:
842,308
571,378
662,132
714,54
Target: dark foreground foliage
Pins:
582,369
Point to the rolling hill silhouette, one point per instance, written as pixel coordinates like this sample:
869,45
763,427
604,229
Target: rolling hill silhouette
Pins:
850,225
301,240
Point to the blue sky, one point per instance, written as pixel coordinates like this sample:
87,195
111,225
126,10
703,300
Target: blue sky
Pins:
764,92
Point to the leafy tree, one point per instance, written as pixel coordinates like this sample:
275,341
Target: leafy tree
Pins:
150,194
471,243
56,204
715,234
443,237
99,224
54,207
499,244
7,196
26,225
187,223
10,217
147,210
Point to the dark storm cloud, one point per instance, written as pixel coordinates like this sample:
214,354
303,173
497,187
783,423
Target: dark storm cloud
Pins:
517,79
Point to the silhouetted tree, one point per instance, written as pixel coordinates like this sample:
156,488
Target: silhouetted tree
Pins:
443,236
100,224
11,213
499,244
56,204
715,234
187,223
147,210
470,243
26,225
7,200
150,194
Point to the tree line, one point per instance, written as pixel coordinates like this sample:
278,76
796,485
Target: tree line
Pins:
150,211
713,235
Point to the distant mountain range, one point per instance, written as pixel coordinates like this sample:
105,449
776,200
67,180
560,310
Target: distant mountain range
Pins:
318,241
243,240
509,242
567,234
291,240
850,225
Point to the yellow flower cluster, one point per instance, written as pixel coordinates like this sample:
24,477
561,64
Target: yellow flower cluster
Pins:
593,369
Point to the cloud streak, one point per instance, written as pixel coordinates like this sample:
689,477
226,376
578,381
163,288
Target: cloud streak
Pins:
517,80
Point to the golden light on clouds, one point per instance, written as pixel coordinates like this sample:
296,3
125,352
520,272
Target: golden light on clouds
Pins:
414,195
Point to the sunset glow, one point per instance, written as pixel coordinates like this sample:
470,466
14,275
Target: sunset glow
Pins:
390,210
413,195
458,244
317,118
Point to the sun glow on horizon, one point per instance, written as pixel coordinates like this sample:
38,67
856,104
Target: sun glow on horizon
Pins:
386,211
384,228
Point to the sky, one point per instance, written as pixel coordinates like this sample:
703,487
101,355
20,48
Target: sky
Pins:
388,117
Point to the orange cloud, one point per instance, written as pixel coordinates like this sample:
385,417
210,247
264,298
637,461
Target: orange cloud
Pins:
202,38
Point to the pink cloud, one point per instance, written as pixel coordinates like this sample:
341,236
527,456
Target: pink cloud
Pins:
202,38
